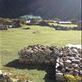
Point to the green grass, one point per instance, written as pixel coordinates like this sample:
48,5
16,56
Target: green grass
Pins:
13,40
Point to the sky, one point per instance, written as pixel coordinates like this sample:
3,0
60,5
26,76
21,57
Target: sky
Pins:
63,9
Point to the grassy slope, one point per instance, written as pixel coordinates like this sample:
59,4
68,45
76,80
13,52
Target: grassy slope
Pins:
15,39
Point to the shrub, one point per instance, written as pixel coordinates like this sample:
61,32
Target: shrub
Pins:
3,27
27,28
71,78
43,23
61,28
77,28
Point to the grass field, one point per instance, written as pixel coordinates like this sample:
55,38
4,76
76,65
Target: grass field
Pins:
13,40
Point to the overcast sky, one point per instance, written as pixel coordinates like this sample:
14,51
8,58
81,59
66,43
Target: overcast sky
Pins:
65,9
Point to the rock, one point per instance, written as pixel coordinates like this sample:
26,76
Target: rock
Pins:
68,61
76,61
61,63
71,72
80,72
80,66
60,77
58,60
59,68
67,69
59,74
76,72
58,71
74,50
71,58
57,65
74,46
76,66
81,60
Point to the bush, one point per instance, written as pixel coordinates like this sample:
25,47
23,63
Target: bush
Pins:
61,28
67,28
77,28
43,23
3,27
27,28
71,78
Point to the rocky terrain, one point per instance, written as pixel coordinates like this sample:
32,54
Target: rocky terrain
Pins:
67,60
